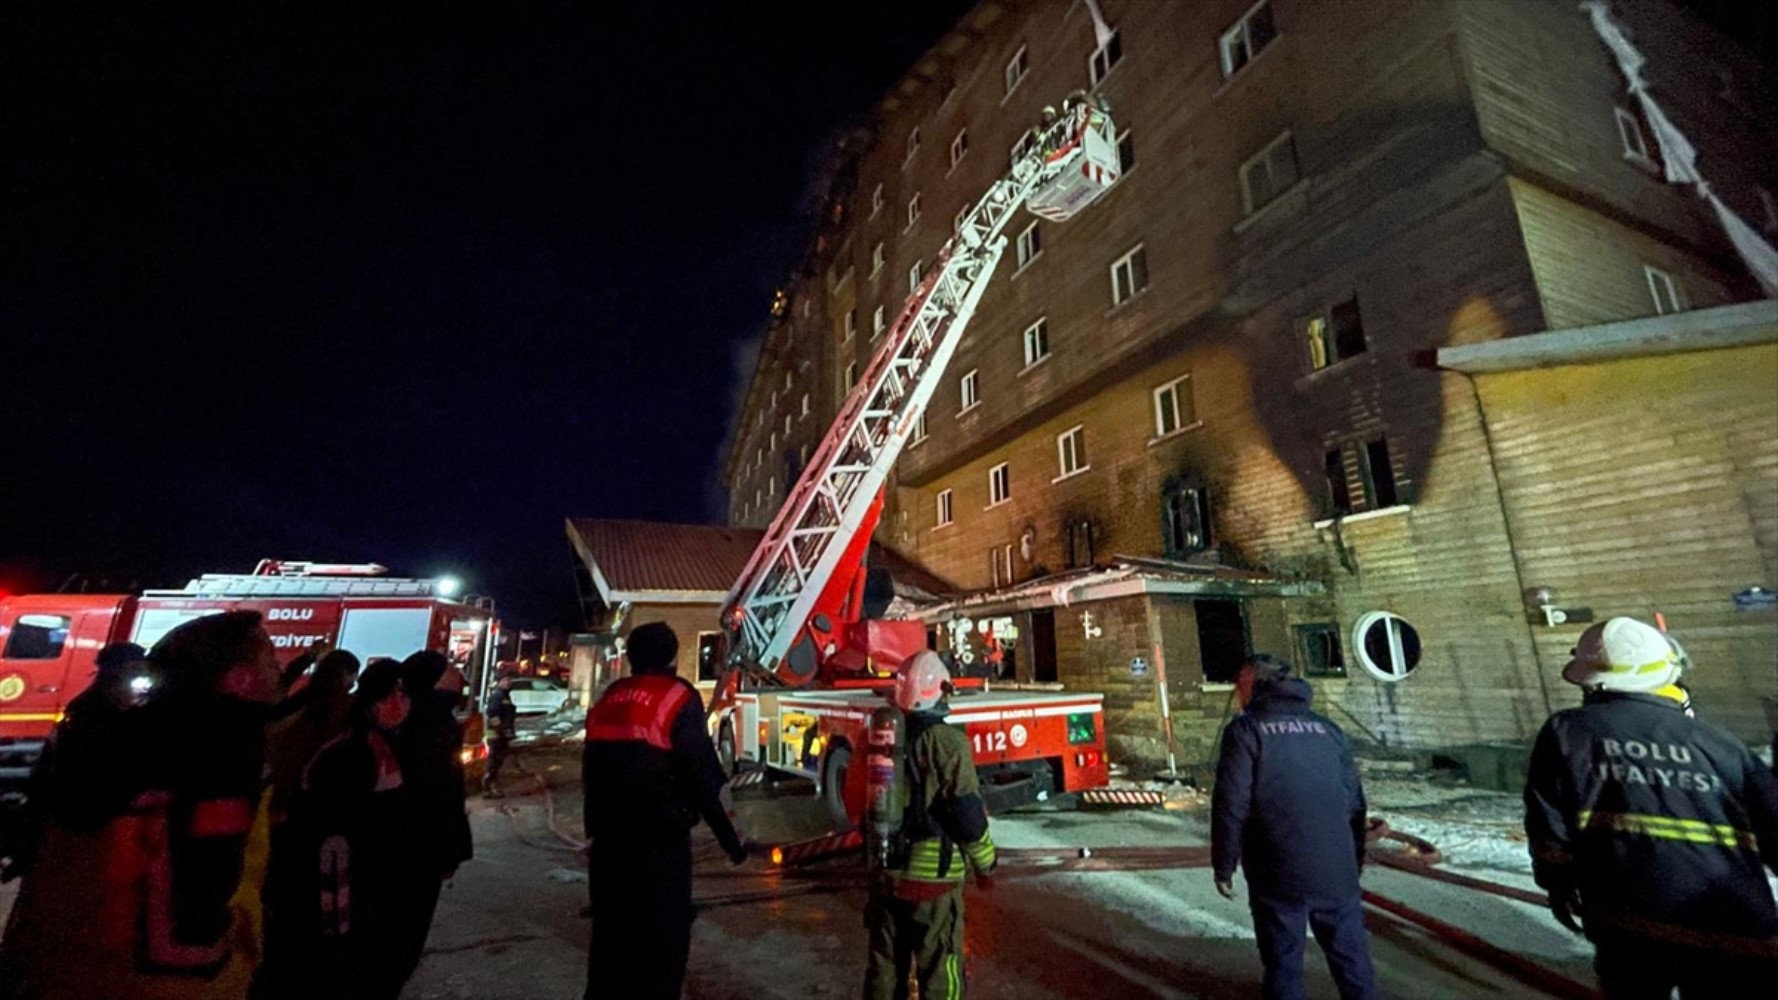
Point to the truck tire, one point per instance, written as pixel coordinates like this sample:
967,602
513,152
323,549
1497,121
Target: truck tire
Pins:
725,748
833,786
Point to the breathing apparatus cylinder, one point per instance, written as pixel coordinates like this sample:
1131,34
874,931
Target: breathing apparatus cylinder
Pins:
883,766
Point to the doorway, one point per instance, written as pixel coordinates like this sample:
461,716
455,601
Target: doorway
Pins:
1222,639
1043,646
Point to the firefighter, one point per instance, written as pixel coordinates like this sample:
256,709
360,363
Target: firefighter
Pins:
915,913
1289,807
147,880
503,717
1649,829
428,746
650,773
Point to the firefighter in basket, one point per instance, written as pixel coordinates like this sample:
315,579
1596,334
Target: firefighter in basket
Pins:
931,826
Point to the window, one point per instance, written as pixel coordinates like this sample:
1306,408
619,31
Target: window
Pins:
1388,647
967,386
772,487
1629,132
774,403
876,259
805,409
1129,275
1071,452
1268,174
759,498
1664,289
944,508
788,377
919,429
1001,557
787,419
37,637
959,146
1016,68
877,323
1335,335
851,323
913,144
1768,209
851,376
1105,57
1318,650
915,274
1185,518
1077,539
1037,342
914,209
1025,144
773,446
999,484
1126,153
1339,492
1174,408
709,655
1247,37
876,200
1029,245
1376,478
1378,475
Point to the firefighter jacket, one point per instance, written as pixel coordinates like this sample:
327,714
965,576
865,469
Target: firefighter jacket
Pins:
151,889
945,823
649,768
502,715
1288,804
1654,817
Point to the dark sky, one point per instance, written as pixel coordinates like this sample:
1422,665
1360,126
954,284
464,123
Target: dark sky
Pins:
407,287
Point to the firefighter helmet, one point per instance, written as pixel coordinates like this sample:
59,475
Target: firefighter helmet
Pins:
1623,654
922,683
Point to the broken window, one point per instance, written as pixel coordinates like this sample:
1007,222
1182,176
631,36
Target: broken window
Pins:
1269,173
1247,37
1185,518
1318,650
1334,335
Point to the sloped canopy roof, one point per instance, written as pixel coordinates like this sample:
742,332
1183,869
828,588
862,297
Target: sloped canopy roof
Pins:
658,563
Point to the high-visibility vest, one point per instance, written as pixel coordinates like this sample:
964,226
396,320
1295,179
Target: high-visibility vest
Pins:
639,709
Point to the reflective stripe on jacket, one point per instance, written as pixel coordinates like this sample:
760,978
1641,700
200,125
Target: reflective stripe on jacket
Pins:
1653,817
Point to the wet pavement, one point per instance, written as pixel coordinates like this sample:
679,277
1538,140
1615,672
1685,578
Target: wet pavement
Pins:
510,926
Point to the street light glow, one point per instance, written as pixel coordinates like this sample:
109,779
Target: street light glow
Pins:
448,586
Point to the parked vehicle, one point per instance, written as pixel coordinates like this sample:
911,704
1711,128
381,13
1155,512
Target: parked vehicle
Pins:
531,695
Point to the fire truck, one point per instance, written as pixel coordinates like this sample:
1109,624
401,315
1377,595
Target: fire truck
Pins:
807,661
49,642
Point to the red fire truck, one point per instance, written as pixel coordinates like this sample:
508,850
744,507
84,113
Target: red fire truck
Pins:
808,660
48,642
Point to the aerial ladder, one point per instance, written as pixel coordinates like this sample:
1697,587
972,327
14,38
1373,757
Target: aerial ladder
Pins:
786,614
797,630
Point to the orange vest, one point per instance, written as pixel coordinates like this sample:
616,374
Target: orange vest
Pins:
639,709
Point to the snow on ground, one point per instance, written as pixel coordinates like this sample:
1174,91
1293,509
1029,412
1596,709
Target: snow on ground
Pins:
1478,832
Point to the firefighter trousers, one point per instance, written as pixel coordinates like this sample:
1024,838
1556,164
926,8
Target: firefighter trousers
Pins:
1338,926
642,914
924,937
1631,967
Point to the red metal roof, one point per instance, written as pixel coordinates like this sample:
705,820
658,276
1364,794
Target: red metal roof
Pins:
635,556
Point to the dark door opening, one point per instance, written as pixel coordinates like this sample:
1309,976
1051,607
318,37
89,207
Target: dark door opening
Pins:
1222,639
1043,646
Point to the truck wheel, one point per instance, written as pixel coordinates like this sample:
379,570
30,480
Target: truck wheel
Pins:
725,748
833,786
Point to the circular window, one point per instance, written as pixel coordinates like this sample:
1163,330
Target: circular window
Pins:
1387,645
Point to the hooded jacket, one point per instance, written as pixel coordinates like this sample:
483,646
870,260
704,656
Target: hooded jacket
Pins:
1288,804
1655,817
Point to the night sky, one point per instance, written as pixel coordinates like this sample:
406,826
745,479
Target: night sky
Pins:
406,287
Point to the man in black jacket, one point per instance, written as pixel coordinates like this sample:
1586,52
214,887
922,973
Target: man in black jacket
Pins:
1288,806
650,774
1652,828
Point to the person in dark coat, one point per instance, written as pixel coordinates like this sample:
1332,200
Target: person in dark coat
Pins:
354,807
650,773
81,749
429,747
1653,831
313,718
1289,808
503,724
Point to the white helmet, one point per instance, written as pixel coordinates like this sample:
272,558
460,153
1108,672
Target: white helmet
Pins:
922,683
1623,654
